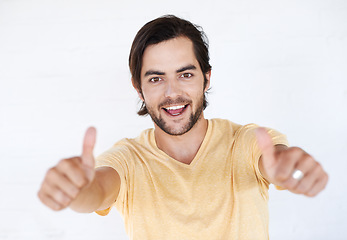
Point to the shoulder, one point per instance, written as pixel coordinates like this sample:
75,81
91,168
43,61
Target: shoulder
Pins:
242,132
125,146
246,135
227,127
224,125
247,131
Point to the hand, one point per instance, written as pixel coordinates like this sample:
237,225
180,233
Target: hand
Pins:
64,182
278,167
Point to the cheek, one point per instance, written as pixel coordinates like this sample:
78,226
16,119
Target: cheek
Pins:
150,95
196,85
196,91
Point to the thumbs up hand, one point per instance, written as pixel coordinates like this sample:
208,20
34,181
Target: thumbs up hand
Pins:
64,182
290,168
87,152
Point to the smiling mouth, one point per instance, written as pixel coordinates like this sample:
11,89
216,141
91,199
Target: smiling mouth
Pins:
176,110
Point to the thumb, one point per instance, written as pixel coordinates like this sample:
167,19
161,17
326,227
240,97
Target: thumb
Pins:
266,147
87,152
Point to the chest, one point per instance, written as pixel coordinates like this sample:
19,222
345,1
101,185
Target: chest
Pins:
185,189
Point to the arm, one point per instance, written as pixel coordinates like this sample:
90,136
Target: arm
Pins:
100,194
278,148
76,184
278,164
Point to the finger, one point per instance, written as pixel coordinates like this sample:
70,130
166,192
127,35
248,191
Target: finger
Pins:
266,146
309,179
310,169
62,182
49,202
51,194
73,169
88,147
286,165
318,186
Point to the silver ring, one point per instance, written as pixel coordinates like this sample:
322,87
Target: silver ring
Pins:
297,174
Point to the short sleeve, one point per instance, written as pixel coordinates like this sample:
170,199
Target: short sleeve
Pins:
254,153
116,158
277,138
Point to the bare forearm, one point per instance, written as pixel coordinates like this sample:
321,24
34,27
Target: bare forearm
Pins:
100,194
89,199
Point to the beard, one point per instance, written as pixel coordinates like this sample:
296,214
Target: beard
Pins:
193,118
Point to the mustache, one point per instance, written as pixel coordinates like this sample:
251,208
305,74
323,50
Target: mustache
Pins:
177,101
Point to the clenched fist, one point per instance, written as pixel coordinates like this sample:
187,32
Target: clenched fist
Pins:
290,168
64,182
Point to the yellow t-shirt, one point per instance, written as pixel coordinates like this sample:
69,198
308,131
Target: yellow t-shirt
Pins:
220,195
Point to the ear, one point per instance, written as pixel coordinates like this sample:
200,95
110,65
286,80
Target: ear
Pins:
139,92
208,77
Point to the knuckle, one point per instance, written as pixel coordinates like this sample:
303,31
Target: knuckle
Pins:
51,178
281,175
45,190
317,167
50,172
308,158
70,163
319,171
65,163
295,150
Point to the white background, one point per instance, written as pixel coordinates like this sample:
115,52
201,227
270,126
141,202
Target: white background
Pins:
63,67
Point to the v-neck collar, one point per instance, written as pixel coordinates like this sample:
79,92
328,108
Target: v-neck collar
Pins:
196,158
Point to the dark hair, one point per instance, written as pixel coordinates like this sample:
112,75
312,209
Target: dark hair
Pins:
162,29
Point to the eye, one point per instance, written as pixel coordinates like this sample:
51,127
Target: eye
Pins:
155,79
186,75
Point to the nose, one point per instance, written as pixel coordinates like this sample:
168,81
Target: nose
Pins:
172,89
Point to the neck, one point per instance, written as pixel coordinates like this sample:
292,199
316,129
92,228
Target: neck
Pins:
184,147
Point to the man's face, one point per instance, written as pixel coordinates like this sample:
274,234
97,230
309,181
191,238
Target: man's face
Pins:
173,85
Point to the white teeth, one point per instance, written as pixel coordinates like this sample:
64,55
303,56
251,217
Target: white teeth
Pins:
175,107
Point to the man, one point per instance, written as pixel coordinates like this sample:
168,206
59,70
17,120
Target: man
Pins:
189,177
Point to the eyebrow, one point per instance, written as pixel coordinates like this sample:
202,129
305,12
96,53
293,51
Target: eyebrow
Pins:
188,67
182,69
153,72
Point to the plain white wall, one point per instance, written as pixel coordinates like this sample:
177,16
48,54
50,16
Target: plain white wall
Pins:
63,67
